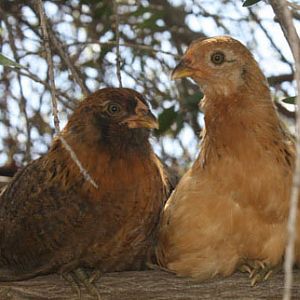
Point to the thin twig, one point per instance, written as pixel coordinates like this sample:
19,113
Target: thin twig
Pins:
118,59
23,102
269,37
285,18
285,112
53,94
35,78
50,64
60,48
83,171
216,17
129,45
293,5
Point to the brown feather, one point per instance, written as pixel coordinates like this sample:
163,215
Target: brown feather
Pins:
53,220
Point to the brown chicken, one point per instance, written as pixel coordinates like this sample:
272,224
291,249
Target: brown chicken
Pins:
53,220
230,210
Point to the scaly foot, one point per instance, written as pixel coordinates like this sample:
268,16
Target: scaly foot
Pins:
87,282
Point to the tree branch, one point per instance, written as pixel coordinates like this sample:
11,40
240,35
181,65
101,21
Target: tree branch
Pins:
282,110
278,79
148,285
285,18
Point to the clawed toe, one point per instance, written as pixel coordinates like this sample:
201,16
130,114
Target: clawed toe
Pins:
260,275
79,276
259,271
94,276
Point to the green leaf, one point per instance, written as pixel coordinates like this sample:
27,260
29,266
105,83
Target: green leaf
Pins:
7,62
289,100
192,101
250,2
166,119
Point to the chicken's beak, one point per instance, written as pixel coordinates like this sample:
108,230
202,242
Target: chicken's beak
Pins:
181,71
142,121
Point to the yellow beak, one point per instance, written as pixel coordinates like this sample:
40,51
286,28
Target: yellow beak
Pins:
142,121
181,71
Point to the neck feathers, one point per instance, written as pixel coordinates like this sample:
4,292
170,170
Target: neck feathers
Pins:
238,124
98,153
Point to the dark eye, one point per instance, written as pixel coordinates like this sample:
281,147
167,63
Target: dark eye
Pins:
114,108
217,58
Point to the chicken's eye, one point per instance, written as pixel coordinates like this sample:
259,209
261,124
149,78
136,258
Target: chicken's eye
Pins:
114,108
217,58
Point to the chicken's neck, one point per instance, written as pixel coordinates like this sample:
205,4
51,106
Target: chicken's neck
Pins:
111,166
239,123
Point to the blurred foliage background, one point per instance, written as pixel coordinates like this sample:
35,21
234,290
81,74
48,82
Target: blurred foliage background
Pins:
153,35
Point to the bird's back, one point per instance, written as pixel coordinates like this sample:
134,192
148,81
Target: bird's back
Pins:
40,218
